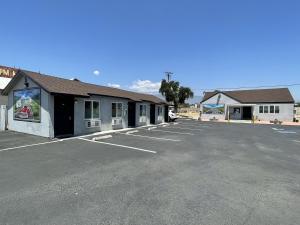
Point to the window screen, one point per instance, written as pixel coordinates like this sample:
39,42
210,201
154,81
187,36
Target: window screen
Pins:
91,110
96,110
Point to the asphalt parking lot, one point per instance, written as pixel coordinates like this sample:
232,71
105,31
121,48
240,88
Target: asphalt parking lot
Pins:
188,172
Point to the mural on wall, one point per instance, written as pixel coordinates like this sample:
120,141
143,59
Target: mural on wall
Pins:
27,105
214,109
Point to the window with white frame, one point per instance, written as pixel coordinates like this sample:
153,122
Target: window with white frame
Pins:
117,109
269,109
91,109
159,111
143,110
143,114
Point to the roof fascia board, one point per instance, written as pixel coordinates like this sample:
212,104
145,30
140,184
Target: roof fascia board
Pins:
221,92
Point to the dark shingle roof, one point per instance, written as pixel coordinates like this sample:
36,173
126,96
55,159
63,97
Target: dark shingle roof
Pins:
74,87
277,95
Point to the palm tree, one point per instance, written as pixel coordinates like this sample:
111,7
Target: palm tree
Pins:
174,93
184,94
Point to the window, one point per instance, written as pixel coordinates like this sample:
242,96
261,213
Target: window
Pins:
277,109
266,109
117,109
91,110
261,109
272,109
159,110
143,110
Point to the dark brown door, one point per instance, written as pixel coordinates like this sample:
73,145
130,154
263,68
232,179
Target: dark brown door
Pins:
131,114
63,115
247,113
152,114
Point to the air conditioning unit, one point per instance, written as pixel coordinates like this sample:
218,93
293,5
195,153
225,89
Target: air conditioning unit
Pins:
116,121
92,123
143,119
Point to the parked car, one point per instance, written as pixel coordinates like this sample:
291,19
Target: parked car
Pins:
172,116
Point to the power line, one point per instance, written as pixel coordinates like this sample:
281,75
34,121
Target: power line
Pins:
249,87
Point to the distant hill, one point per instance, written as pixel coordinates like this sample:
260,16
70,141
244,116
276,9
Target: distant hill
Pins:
196,99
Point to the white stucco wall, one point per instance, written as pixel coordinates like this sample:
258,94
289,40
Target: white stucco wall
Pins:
105,114
286,113
45,126
147,118
159,119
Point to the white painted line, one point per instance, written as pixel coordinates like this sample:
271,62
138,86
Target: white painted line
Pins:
156,138
172,132
151,128
102,137
131,132
277,128
287,132
31,145
121,146
165,125
296,141
175,123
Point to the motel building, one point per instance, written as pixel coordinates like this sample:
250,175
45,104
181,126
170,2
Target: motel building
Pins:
260,104
51,107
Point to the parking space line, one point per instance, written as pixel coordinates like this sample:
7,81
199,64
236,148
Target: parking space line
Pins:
274,128
172,132
155,138
296,141
31,145
287,132
117,145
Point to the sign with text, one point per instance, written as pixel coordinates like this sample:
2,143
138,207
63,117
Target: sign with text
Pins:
7,72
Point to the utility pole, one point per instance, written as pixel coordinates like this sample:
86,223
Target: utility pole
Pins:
168,75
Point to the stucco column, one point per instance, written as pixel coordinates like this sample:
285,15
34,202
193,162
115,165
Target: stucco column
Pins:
3,117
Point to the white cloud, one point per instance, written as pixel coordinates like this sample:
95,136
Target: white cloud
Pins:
96,72
146,86
114,85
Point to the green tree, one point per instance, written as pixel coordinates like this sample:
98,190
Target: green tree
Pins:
174,93
184,94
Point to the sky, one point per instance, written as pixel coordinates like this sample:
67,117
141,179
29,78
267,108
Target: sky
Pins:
130,44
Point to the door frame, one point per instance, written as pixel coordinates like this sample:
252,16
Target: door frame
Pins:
131,114
72,111
152,113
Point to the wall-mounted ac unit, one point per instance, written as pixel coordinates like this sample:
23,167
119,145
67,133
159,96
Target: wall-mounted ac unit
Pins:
143,119
92,123
116,121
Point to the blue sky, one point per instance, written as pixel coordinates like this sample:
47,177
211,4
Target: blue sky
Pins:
206,44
